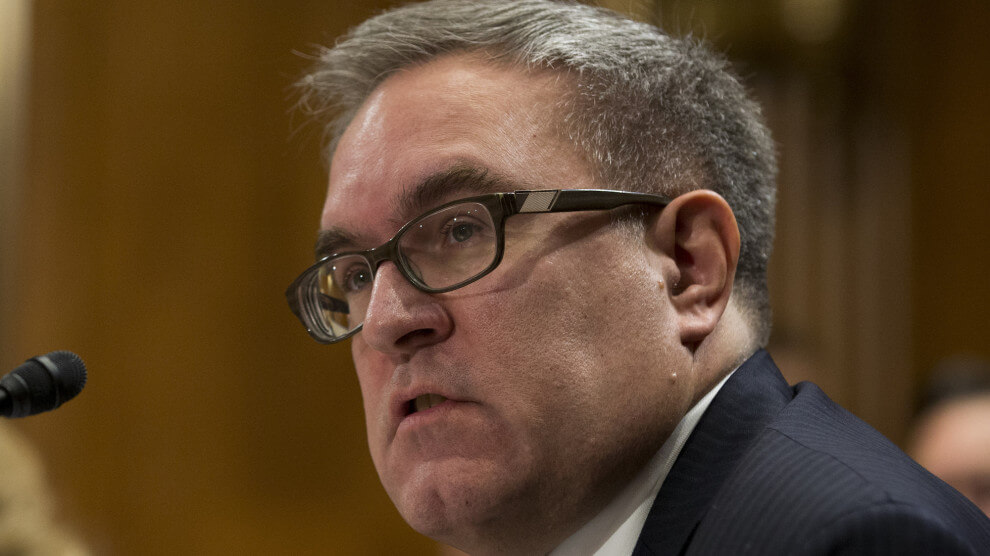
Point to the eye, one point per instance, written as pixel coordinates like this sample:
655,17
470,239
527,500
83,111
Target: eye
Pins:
459,231
357,278
348,275
464,228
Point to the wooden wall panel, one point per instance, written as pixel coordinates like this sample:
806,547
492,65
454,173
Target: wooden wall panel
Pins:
165,210
950,113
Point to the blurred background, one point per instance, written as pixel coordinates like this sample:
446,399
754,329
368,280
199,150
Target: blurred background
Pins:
157,195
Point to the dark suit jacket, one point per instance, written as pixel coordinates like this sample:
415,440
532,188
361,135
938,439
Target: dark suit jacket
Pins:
772,469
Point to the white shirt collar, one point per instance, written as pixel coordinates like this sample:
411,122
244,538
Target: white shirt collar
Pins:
616,529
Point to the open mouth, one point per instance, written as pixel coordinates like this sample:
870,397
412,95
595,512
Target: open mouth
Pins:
424,401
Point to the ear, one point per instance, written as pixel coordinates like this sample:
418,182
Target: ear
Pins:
697,232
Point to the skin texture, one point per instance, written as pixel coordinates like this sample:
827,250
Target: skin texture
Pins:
953,442
568,366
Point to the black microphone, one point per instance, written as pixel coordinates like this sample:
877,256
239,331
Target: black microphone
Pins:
41,383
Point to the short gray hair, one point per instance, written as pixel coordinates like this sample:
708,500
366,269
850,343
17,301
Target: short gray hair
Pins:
651,112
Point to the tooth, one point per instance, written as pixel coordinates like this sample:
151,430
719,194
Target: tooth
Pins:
426,401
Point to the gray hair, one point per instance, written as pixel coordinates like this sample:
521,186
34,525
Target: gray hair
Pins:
651,112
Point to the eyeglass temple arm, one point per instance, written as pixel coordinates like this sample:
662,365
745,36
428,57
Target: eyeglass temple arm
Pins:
566,200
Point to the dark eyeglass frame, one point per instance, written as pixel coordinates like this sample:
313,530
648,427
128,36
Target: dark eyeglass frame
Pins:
499,205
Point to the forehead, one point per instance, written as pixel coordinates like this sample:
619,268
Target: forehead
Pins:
454,112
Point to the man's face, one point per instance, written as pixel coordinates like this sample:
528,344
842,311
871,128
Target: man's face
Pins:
555,370
953,442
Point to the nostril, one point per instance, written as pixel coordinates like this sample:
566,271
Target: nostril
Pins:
421,336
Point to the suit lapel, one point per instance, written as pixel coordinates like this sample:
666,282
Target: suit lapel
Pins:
747,401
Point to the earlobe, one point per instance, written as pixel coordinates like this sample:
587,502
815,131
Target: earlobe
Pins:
698,234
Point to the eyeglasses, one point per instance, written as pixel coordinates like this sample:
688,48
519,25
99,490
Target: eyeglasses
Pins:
444,249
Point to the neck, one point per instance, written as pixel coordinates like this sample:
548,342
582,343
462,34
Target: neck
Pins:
728,346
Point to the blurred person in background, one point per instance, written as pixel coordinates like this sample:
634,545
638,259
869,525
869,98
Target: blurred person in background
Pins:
27,507
951,434
546,236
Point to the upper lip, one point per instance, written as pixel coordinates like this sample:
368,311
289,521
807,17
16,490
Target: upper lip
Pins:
403,398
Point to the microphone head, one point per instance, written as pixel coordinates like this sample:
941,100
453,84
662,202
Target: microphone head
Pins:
43,383
68,373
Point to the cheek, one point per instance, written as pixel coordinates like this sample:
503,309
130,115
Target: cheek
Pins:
562,307
372,381
566,340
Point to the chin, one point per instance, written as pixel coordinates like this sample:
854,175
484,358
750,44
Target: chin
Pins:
427,517
440,506
437,517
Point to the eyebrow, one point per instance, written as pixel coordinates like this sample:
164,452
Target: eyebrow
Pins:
413,201
459,180
333,240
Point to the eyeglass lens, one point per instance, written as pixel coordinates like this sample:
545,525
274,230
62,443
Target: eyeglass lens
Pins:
439,250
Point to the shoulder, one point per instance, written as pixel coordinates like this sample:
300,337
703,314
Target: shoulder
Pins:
894,528
820,478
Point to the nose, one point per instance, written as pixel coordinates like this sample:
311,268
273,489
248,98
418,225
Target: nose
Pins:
401,319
